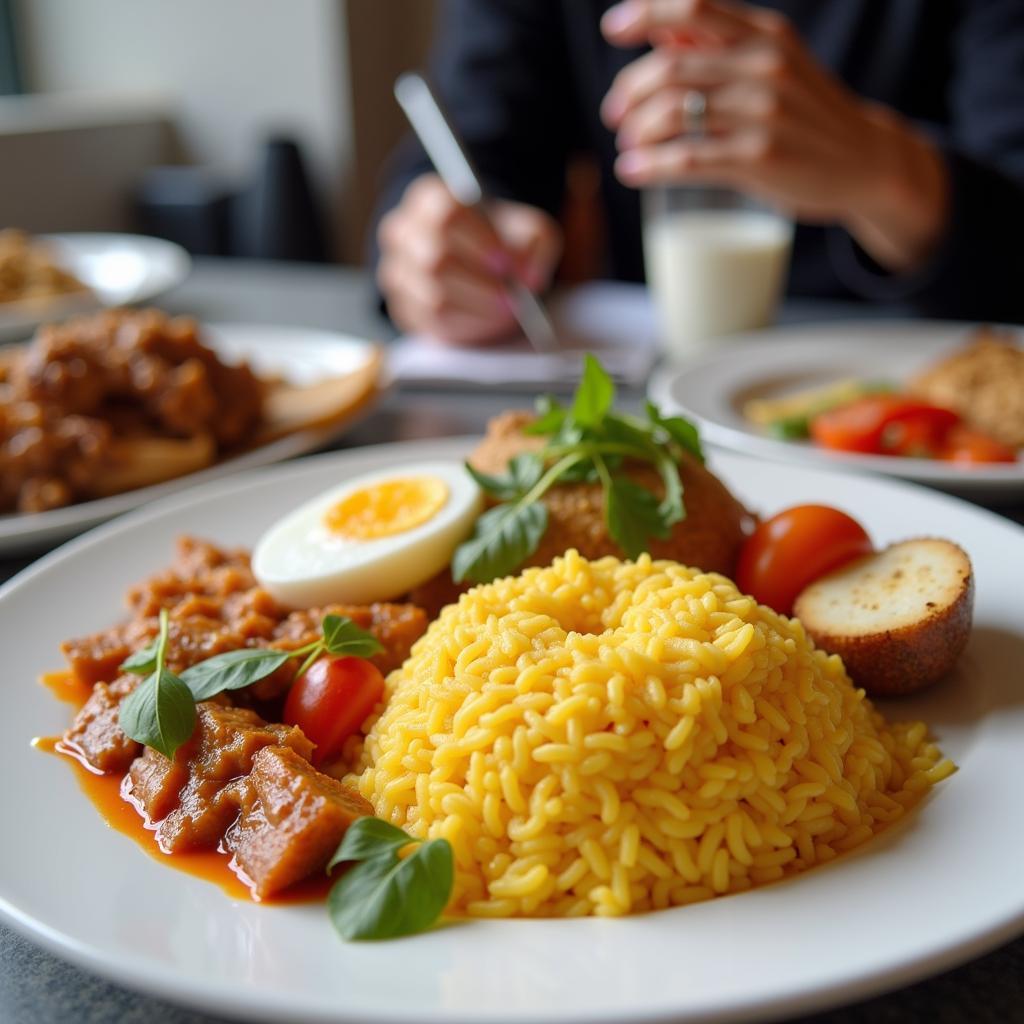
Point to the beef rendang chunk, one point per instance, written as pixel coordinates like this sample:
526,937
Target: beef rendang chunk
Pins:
241,784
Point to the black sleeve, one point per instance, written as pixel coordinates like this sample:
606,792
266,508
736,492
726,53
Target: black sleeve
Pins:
501,69
977,272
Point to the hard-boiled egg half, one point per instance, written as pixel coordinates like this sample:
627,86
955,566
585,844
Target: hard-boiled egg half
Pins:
371,538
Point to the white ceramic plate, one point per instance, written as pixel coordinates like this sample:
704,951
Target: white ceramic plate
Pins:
713,388
300,355
119,269
942,887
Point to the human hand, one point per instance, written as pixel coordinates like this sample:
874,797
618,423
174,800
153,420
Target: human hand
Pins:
778,126
442,265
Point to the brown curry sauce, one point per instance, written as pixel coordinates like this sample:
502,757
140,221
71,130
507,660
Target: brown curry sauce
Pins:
105,791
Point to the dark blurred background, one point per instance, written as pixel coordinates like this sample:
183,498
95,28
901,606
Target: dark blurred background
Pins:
235,127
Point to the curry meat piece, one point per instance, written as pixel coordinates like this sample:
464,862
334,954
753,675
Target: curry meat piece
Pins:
240,784
246,787
291,820
184,794
95,736
214,605
115,375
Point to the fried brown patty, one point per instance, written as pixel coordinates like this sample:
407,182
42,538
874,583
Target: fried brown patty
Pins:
709,538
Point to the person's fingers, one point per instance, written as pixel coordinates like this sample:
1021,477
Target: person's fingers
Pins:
534,240
455,290
436,254
660,118
734,159
441,264
664,117
538,258
432,209
638,81
633,22
454,329
666,69
413,315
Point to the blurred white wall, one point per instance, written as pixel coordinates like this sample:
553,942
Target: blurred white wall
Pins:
230,71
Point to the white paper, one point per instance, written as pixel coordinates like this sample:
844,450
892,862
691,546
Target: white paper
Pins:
614,321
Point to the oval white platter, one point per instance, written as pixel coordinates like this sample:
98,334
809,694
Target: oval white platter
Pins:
299,355
937,890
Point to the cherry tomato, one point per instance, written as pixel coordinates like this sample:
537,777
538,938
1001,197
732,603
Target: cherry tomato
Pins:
918,433
331,699
969,446
792,549
884,425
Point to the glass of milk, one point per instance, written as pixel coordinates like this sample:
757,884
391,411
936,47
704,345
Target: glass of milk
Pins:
716,263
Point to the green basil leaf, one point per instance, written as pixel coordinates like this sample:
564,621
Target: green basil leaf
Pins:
388,896
672,508
634,433
143,661
232,670
369,837
634,516
594,396
503,538
501,487
343,636
681,431
583,472
159,712
524,470
550,417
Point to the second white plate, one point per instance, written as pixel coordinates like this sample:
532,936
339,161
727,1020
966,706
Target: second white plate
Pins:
119,270
300,355
713,388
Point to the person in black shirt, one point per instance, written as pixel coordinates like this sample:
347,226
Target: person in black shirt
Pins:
892,131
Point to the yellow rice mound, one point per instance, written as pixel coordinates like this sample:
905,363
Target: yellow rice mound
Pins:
609,737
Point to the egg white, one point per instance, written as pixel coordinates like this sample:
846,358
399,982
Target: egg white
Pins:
303,564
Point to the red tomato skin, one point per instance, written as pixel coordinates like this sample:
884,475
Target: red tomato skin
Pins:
792,549
884,425
331,700
967,446
918,433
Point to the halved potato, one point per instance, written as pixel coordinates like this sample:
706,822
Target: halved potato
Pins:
898,618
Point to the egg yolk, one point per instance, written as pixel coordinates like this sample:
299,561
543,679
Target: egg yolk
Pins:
386,508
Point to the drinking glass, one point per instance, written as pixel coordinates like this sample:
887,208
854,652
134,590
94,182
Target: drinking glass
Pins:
716,263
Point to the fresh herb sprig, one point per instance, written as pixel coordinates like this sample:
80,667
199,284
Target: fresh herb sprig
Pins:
587,442
160,711
384,895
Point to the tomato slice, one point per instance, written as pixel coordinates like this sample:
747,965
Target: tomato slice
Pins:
884,425
918,433
968,446
331,700
792,549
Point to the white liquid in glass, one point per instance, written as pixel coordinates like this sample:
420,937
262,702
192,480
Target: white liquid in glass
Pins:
713,272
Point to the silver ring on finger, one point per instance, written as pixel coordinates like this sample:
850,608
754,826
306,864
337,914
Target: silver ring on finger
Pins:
695,113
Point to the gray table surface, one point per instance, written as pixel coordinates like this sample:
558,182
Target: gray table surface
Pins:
37,988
